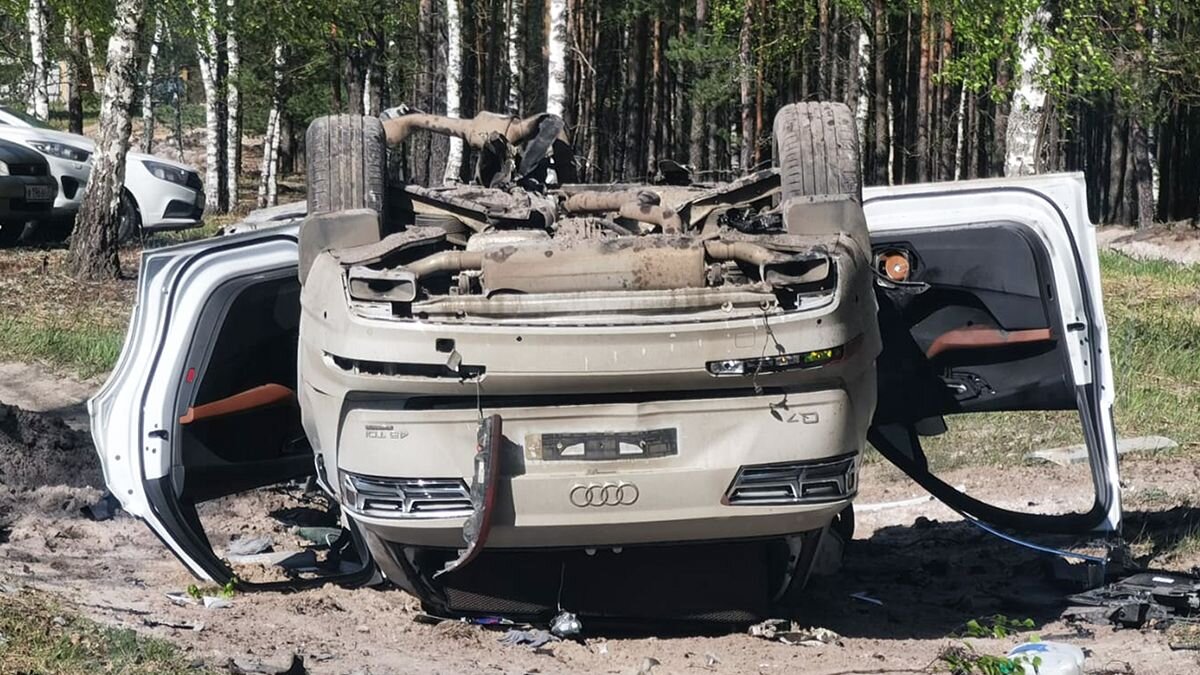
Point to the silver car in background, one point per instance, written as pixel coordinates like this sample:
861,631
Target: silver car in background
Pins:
160,194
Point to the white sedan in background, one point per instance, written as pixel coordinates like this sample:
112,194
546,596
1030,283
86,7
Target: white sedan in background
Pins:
160,194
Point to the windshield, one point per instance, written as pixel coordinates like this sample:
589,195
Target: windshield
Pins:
21,118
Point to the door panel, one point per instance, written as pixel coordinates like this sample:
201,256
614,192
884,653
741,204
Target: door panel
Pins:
203,394
1003,313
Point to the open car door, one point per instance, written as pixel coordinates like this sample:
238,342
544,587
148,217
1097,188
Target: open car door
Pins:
990,301
201,404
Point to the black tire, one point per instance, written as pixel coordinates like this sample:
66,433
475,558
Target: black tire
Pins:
129,219
10,233
816,149
346,160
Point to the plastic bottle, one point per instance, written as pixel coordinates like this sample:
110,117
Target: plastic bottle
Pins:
1055,658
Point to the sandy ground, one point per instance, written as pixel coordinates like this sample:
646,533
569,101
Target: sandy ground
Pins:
1179,243
931,572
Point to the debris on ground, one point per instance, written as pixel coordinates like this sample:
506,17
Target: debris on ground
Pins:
180,625
247,666
787,632
1078,454
324,536
1048,658
534,637
648,665
1144,599
38,449
246,546
104,509
566,625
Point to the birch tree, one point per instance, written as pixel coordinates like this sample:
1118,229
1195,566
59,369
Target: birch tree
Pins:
233,106
206,55
453,84
93,254
268,181
36,20
148,86
556,90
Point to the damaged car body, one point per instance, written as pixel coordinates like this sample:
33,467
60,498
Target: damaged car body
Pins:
526,393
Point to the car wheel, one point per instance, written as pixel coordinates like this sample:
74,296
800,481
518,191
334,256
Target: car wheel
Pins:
10,233
129,220
346,163
816,150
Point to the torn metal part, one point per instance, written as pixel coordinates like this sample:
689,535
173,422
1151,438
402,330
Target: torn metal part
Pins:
533,637
391,245
474,131
244,546
483,492
1146,598
382,285
787,632
566,624
639,205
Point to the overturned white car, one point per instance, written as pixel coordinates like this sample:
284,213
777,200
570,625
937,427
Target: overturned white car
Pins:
527,394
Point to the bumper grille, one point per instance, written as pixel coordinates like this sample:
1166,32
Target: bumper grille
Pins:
406,497
811,482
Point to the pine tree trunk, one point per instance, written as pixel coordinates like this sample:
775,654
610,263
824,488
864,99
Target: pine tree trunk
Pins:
823,49
652,127
745,70
998,153
453,90
948,118
148,87
879,101
923,97
1143,176
698,127
36,20
93,254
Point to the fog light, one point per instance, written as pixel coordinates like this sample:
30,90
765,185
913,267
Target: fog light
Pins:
775,364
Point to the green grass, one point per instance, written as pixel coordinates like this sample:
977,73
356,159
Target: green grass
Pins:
87,350
39,635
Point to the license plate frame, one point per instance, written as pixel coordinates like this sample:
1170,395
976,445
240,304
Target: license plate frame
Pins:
604,445
39,193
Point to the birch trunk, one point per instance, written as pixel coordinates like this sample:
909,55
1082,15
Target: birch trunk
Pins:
233,106
93,254
270,160
516,71
39,97
71,38
453,83
94,64
148,87
206,55
556,91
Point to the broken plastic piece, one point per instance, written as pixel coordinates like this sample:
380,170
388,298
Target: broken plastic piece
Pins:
566,625
483,493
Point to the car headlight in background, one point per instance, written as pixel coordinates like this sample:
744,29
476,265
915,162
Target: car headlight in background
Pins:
171,174
61,150
3,169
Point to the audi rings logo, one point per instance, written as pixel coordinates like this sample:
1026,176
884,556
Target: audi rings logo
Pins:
604,494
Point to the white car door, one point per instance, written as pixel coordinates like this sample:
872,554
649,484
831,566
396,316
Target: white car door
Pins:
201,403
997,307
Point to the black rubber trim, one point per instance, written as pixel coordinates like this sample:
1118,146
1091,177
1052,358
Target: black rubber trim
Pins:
165,504
1075,523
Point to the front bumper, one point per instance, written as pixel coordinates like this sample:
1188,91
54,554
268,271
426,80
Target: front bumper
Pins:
13,206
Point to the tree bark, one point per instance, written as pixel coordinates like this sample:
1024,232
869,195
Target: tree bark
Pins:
923,97
823,49
453,84
206,55
36,20
745,70
1142,174
652,127
698,129
93,254
270,159
72,37
948,117
998,152
148,87
95,66
879,101
556,94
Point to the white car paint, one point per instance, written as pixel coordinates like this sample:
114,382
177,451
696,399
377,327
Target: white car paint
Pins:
133,415
152,195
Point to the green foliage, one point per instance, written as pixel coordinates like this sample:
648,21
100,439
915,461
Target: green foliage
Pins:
995,626
962,659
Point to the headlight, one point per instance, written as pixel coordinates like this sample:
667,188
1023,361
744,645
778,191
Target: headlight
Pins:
3,169
166,172
775,364
61,150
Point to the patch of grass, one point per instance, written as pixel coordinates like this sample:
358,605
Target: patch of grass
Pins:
39,635
87,349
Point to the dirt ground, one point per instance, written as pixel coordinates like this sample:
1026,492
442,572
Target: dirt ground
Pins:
930,571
